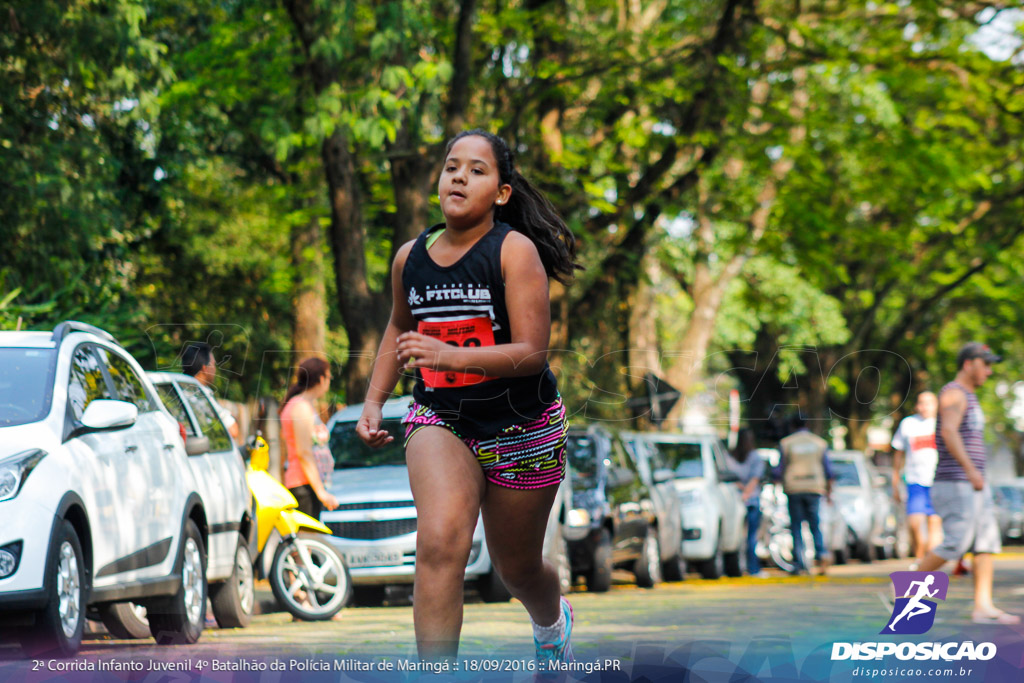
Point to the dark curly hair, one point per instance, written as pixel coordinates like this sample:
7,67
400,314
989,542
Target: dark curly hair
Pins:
530,212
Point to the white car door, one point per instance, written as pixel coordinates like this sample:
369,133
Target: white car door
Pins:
98,462
225,473
733,510
150,488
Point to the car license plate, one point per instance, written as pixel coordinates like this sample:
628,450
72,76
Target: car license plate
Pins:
374,558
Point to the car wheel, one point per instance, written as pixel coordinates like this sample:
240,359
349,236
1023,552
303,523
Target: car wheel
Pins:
125,620
179,620
865,552
902,543
674,569
492,588
648,565
714,566
599,578
60,625
560,559
233,601
735,563
368,596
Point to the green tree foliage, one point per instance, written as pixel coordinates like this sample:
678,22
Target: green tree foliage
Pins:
842,176
77,152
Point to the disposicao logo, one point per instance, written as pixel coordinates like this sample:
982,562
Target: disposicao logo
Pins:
914,613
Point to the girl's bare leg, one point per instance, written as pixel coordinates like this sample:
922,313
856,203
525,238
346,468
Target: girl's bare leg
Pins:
514,522
447,486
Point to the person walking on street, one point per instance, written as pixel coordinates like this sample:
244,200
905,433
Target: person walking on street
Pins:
197,361
748,465
487,431
309,462
806,474
914,445
960,494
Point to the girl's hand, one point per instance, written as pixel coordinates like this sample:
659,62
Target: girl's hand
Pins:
417,350
368,429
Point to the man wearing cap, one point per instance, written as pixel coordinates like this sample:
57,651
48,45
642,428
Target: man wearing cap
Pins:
960,494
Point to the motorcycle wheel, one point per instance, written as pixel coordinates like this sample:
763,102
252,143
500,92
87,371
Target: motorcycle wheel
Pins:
309,578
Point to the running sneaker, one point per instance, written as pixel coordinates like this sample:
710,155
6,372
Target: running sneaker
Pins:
560,650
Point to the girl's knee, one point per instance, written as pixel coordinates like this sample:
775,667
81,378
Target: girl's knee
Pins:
440,545
518,570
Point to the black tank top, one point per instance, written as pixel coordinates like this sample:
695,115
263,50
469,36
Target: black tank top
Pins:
464,305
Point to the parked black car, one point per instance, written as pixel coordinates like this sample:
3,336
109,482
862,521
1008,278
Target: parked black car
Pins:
612,520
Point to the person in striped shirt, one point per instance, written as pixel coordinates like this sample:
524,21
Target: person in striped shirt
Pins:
960,493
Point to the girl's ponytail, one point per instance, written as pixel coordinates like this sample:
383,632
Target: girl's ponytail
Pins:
531,213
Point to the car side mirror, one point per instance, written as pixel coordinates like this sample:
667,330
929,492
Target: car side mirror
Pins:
197,445
662,475
104,415
728,476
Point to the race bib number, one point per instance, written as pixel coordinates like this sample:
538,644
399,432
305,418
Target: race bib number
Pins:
463,333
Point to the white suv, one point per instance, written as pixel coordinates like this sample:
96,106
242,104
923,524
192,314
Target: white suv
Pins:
714,516
97,495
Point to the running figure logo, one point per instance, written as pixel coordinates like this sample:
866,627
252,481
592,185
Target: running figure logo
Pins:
914,613
414,298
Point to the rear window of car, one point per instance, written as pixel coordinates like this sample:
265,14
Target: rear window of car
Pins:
350,451
26,385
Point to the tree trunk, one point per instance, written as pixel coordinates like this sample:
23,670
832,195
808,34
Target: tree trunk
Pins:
412,175
309,329
689,356
644,350
365,312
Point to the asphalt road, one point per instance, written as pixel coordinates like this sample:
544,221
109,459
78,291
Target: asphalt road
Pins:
782,626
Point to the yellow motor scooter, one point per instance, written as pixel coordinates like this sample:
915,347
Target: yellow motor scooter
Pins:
308,576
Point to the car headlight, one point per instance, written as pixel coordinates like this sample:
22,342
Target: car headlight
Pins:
15,470
578,517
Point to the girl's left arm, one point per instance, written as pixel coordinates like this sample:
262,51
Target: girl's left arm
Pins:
529,311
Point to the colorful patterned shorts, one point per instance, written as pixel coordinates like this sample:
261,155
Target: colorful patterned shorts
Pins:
530,455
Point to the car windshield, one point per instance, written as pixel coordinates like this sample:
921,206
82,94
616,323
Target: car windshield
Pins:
581,452
26,385
350,451
684,458
1012,496
846,473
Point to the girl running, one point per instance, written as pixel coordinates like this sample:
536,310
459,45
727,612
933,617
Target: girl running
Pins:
486,432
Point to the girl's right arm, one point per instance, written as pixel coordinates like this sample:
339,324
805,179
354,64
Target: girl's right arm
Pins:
386,367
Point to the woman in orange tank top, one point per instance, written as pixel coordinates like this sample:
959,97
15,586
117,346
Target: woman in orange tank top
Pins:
309,462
